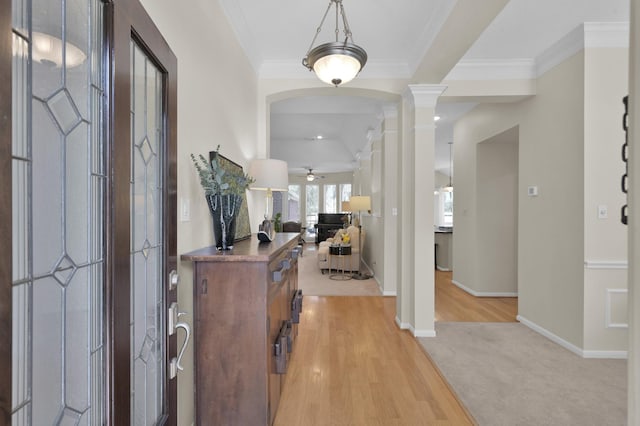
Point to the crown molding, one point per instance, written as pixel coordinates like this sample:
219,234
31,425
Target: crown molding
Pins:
585,36
493,69
233,12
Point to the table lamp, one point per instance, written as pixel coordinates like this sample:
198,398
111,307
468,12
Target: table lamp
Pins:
270,175
358,204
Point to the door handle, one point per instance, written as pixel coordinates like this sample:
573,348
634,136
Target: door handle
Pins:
187,330
175,365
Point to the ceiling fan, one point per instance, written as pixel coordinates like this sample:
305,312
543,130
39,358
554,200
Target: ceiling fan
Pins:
312,176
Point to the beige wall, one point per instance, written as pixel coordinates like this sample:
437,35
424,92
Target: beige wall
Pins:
551,229
480,124
633,370
568,260
217,91
497,206
605,251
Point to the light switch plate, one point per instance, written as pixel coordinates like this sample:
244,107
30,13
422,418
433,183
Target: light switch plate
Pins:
532,191
185,210
602,212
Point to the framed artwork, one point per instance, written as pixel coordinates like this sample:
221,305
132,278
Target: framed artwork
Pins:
243,226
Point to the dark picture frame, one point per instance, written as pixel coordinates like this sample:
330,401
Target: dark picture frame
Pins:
243,225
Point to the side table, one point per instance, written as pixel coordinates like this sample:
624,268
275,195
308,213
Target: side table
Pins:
341,251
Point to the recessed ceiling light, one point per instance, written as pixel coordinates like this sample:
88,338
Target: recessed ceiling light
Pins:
436,118
319,137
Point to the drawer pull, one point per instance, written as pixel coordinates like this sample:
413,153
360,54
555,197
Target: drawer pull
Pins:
280,350
296,307
289,335
286,264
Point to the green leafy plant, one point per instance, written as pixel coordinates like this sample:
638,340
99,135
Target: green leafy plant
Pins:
215,180
277,222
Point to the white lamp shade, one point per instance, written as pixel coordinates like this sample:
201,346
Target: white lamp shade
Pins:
360,203
269,174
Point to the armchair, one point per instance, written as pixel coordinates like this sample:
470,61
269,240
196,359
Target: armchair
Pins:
325,261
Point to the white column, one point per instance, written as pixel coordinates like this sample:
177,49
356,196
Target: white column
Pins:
633,398
417,277
390,181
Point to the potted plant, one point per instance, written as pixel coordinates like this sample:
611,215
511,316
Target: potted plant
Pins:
224,190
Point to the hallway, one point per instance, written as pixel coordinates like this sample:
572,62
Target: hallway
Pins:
354,366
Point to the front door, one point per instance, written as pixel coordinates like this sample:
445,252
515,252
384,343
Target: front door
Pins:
143,222
89,125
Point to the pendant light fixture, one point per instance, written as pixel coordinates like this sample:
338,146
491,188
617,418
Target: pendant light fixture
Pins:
449,188
336,62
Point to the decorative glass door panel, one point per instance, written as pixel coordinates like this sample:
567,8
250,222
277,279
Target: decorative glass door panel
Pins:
147,245
58,188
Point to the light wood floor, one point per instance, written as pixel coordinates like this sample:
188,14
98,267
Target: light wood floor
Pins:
352,365
455,304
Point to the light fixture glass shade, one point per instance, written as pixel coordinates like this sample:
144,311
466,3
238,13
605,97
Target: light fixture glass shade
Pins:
269,174
360,203
337,63
310,177
47,49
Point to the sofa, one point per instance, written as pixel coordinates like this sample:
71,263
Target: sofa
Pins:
351,263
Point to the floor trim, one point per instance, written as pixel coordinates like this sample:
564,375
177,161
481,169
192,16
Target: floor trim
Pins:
483,294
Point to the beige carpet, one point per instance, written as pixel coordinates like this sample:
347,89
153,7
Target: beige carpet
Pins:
506,374
313,283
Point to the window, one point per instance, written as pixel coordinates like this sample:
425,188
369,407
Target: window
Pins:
294,203
312,204
330,199
443,208
447,208
345,192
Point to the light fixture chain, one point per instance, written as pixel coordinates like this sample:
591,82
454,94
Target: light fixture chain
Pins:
320,27
337,30
347,28
335,62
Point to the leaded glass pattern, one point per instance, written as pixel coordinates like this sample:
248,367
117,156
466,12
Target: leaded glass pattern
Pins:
58,188
147,295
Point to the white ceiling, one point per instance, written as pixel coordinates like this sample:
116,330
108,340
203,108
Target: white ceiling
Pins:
400,38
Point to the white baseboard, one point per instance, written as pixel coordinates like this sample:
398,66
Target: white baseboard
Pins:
416,333
382,291
443,269
482,293
403,325
570,346
605,354
424,333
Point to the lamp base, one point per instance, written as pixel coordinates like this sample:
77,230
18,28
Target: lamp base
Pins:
266,232
360,276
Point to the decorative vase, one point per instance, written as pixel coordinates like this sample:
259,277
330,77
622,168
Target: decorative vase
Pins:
224,212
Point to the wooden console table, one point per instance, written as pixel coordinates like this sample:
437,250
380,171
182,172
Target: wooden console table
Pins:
246,309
